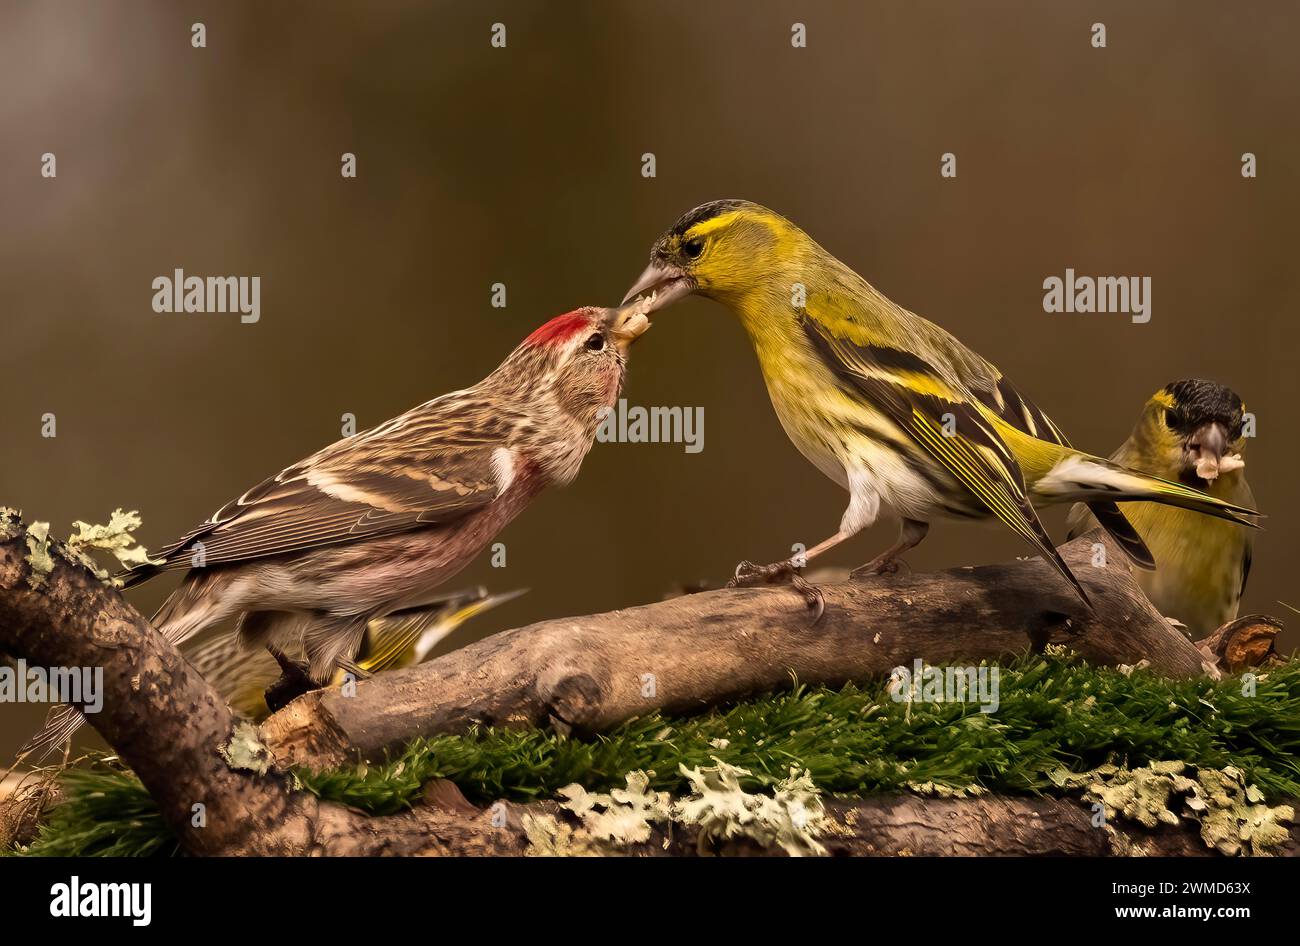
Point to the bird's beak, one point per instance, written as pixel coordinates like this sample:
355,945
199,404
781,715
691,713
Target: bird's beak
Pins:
628,323
1205,451
663,283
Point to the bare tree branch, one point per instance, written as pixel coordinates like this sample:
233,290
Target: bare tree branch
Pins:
587,673
169,726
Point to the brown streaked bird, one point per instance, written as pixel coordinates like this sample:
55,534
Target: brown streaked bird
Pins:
376,522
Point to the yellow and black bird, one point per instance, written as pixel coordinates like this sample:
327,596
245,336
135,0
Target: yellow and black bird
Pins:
400,639
887,404
1190,431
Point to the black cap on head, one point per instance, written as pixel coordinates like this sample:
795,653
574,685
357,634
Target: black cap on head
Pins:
713,208
1199,402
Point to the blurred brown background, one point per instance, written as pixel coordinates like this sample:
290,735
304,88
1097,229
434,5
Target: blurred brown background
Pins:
522,165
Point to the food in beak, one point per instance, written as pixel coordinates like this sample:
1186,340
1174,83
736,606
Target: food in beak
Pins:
665,284
1206,451
630,322
1208,466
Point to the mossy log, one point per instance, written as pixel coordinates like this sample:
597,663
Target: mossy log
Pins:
174,731
587,674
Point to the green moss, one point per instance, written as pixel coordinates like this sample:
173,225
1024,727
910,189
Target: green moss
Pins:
106,812
1058,719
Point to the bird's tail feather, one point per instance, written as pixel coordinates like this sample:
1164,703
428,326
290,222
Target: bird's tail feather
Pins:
1077,477
1118,527
60,723
411,634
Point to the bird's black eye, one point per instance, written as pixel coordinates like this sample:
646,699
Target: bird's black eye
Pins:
1171,419
596,342
692,249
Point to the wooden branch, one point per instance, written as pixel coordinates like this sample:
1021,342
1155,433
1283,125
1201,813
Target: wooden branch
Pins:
881,826
1246,642
168,724
588,674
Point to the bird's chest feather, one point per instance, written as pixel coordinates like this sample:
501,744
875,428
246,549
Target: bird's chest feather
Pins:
388,574
829,430
806,407
1199,562
834,428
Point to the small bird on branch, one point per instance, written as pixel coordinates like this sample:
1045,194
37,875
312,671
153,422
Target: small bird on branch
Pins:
374,523
887,404
1191,432
255,684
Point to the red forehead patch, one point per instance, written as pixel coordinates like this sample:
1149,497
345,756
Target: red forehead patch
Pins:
561,328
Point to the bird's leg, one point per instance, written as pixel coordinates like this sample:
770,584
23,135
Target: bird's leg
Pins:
886,563
294,681
749,575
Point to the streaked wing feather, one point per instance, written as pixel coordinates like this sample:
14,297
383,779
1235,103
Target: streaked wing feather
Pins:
975,455
1023,414
60,723
400,477
1007,402
240,674
392,638
1116,524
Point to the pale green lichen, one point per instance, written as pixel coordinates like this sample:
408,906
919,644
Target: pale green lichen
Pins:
625,815
1142,794
1232,815
940,790
245,751
790,818
116,538
1234,819
11,522
550,837
38,556
1065,778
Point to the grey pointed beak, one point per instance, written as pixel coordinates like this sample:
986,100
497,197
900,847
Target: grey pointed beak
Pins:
663,284
1205,449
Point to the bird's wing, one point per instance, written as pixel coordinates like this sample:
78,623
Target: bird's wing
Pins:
1005,400
407,636
1001,397
240,674
916,398
415,471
